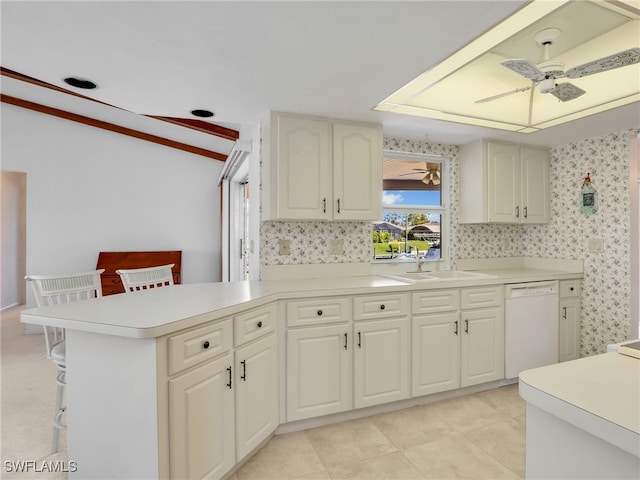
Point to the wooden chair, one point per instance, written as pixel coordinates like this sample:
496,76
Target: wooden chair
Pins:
137,279
54,290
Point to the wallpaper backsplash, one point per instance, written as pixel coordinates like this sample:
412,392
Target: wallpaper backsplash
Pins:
606,285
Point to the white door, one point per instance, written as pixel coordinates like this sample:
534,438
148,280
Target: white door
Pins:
256,373
357,172
304,167
319,371
535,185
569,331
382,355
482,346
503,184
201,421
436,353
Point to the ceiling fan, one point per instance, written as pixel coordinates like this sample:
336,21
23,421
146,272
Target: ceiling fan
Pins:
544,74
432,176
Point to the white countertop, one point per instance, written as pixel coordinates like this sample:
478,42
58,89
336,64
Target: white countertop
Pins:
165,310
598,394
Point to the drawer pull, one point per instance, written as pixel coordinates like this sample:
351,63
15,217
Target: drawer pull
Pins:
319,312
359,340
205,345
259,324
229,370
466,326
456,332
382,307
346,344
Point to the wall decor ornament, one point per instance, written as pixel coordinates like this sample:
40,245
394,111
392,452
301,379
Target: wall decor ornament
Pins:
588,197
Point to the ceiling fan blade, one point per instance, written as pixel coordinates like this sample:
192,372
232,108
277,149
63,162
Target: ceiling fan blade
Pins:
524,68
505,94
617,60
567,91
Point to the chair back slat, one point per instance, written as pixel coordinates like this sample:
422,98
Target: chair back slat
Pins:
137,279
59,289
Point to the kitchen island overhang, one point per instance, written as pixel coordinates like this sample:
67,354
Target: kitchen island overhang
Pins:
583,418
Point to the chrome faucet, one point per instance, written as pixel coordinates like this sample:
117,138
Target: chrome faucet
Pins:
420,263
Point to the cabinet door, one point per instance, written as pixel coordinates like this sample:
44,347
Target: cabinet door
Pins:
319,370
535,185
357,172
382,355
256,375
482,346
303,157
201,422
435,353
569,334
503,183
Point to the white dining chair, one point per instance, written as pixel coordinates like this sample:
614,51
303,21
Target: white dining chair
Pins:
137,279
54,290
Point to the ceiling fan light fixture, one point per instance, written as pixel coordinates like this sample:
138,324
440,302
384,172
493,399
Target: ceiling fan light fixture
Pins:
547,85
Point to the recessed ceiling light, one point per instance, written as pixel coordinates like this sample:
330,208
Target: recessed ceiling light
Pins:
79,82
202,113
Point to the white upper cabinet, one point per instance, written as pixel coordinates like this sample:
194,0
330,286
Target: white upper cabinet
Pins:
503,183
324,170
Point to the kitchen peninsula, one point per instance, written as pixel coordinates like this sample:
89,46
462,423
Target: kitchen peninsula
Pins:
188,381
583,418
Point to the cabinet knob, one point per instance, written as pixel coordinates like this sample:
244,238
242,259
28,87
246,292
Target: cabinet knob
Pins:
382,307
319,312
259,324
205,345
571,289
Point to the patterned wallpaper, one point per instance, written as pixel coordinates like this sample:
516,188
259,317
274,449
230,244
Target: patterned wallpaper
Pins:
606,285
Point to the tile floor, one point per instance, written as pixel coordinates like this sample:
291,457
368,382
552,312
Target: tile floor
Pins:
479,436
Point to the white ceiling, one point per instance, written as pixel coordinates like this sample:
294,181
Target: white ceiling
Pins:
244,59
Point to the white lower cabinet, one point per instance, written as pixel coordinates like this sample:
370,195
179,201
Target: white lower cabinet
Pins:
221,403
457,339
256,389
436,353
319,367
345,364
569,320
482,335
201,421
382,355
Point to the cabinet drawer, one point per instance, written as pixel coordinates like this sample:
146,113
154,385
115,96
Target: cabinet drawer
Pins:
318,311
435,301
570,288
254,324
481,297
195,346
371,307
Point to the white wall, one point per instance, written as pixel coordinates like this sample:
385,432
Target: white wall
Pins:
90,190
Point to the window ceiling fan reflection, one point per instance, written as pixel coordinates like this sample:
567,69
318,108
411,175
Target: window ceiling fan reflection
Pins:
432,174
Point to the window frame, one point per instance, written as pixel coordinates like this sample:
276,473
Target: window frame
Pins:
442,209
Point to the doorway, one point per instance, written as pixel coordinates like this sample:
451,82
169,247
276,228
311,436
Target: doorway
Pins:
13,246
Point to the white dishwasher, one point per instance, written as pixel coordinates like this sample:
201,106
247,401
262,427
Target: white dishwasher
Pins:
531,326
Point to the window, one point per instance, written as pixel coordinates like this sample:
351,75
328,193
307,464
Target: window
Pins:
413,211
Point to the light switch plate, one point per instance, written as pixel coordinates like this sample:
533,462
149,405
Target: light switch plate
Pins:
336,247
595,245
285,247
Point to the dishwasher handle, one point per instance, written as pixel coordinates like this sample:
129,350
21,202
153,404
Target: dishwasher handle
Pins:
531,289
